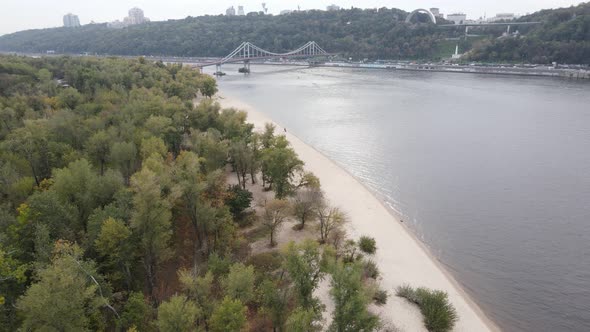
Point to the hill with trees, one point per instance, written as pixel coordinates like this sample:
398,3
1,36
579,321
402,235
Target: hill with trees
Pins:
564,36
354,32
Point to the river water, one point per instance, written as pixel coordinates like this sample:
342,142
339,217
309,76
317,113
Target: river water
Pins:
491,172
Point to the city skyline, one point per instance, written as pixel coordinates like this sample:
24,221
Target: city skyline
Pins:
48,15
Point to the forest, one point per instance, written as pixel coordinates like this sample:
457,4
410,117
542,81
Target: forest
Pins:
357,33
127,204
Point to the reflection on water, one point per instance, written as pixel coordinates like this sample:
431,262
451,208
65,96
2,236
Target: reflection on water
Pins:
492,172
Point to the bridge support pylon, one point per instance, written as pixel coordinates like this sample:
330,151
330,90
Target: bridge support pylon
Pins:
218,68
246,68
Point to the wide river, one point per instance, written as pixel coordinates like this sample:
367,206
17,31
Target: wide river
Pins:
492,173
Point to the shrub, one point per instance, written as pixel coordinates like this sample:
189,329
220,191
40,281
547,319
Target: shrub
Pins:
439,314
407,292
246,219
367,245
380,297
370,270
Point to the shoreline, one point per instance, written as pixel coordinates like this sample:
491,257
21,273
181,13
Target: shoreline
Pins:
402,257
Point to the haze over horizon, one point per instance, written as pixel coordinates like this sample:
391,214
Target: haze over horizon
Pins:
41,14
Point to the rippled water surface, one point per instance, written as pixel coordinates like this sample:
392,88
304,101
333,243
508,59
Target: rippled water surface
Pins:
491,172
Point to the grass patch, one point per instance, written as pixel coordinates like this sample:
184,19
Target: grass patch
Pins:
370,269
438,313
266,262
257,233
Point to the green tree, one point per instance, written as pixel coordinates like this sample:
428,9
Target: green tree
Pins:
79,185
67,296
304,320
31,143
280,163
114,243
153,146
242,159
275,303
199,289
177,314
350,301
208,86
136,313
304,264
230,315
238,200
99,148
69,98
151,222
239,283
124,157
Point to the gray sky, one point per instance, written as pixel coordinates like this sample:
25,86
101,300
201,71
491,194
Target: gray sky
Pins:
19,15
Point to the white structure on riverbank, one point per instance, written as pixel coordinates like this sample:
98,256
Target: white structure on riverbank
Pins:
71,21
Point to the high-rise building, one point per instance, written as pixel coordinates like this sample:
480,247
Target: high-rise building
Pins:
241,11
136,16
436,12
71,21
332,8
231,11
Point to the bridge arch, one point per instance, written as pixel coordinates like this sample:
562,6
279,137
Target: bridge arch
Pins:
421,10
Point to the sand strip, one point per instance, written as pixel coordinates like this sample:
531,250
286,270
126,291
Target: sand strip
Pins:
401,258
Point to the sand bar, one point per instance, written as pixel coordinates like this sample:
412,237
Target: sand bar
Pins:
401,258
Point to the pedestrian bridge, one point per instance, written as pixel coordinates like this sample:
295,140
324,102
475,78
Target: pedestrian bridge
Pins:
248,51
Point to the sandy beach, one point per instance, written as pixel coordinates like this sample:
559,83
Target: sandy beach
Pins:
402,259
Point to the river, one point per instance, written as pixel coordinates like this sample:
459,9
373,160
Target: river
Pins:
492,173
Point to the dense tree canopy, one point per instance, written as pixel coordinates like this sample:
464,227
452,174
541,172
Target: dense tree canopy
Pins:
563,36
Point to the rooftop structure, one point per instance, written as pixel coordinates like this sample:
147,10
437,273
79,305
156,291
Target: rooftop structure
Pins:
332,7
231,11
502,17
457,18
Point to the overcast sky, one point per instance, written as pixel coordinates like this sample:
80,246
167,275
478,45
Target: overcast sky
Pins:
16,15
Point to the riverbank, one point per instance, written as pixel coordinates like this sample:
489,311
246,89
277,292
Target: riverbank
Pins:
402,259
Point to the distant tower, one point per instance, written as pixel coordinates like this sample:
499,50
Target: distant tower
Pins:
71,21
231,11
241,11
264,7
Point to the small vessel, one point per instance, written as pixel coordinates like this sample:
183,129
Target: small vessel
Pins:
220,73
